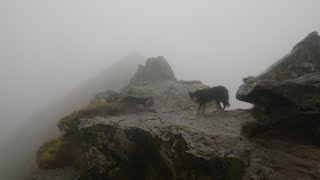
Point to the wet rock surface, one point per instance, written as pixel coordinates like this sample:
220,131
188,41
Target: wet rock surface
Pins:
284,99
181,145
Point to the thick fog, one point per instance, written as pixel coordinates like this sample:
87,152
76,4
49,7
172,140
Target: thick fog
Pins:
48,48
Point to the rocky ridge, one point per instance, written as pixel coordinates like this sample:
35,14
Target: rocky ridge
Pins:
173,143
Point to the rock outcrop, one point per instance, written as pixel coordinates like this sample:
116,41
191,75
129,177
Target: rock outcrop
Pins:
174,145
154,70
303,59
156,79
289,87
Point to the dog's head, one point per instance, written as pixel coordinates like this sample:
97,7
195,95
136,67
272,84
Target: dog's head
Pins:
193,95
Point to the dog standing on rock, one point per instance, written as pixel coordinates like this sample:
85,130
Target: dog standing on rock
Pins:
219,94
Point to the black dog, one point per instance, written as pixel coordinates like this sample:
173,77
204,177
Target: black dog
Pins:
219,94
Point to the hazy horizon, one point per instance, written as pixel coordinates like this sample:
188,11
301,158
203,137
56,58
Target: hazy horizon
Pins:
47,48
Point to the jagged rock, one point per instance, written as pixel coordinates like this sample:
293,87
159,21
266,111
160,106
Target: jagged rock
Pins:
154,70
289,87
303,59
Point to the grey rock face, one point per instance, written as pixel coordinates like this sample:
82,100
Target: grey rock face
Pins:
303,59
283,99
289,87
154,70
176,145
180,145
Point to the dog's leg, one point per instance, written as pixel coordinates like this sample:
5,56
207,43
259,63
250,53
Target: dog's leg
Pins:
224,106
218,105
204,108
199,109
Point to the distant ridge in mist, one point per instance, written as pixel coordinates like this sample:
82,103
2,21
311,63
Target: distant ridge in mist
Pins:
18,152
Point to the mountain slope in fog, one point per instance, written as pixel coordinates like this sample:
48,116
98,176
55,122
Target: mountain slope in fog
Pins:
18,152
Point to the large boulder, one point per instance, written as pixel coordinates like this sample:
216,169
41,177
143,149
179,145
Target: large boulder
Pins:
156,79
289,87
171,145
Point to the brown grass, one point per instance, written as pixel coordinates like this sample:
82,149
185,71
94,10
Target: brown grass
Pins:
62,152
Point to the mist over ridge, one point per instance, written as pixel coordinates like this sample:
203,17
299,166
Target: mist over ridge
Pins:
49,49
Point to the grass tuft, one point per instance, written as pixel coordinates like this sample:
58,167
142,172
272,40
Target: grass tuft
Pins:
62,152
